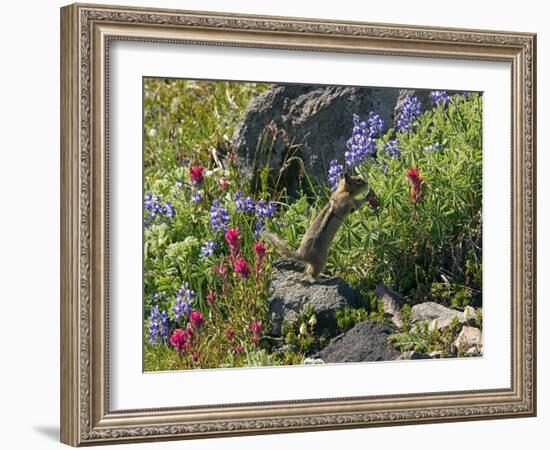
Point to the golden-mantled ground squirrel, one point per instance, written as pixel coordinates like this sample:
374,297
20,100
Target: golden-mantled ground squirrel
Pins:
313,250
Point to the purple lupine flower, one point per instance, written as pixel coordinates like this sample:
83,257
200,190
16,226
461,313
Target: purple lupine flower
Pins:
219,217
436,146
182,306
196,197
361,144
440,98
156,208
190,294
375,124
265,209
371,127
159,325
410,110
335,170
392,148
260,225
208,248
169,210
242,203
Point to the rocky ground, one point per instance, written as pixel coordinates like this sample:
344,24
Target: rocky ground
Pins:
425,331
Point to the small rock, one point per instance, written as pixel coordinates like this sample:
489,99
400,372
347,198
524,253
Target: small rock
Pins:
438,315
366,341
310,361
393,302
413,355
468,339
436,354
291,292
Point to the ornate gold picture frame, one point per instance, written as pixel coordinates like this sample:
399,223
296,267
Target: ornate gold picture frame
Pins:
87,32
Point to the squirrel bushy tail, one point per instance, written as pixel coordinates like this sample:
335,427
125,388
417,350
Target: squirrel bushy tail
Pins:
280,246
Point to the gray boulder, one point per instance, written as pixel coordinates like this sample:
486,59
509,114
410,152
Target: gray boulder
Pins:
290,293
438,315
318,118
366,341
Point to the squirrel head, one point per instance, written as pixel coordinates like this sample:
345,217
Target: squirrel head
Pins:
352,184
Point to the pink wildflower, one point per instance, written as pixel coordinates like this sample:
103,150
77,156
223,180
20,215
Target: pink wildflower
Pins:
223,184
211,298
256,328
197,319
259,250
220,270
416,180
179,341
229,333
196,174
232,236
241,267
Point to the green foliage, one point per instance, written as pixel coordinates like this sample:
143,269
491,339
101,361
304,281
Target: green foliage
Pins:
302,335
348,317
260,358
406,317
409,245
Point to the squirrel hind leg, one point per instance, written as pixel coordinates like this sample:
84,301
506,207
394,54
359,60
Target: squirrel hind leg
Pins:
313,272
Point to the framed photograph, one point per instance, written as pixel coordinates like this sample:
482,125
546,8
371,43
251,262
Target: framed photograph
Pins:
276,224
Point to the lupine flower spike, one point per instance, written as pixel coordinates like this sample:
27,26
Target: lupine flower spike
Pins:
410,110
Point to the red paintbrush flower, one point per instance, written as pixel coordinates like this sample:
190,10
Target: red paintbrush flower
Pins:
196,174
259,250
241,267
229,333
211,298
256,328
197,319
416,180
413,174
220,270
179,341
232,236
